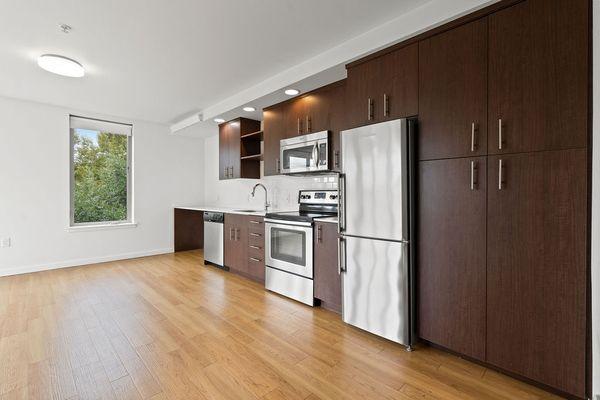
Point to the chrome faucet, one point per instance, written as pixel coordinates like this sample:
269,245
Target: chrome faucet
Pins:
267,205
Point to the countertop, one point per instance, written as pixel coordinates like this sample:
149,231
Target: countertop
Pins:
229,210
332,220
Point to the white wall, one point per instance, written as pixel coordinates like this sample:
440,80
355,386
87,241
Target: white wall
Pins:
596,202
283,190
34,190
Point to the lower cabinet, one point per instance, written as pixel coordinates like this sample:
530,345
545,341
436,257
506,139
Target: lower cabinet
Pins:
451,272
502,262
327,280
244,245
537,266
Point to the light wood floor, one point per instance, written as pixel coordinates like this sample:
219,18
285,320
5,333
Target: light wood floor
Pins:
166,327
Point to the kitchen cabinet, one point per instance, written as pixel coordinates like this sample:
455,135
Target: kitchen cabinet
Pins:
244,245
188,229
383,88
230,149
316,111
453,93
235,243
537,266
327,280
538,76
273,131
451,272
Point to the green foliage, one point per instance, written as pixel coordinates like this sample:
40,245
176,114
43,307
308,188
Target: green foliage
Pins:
100,178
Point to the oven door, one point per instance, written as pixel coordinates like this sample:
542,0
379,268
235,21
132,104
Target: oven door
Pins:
289,247
308,153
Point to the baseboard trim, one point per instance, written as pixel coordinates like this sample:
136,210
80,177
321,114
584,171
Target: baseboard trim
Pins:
82,261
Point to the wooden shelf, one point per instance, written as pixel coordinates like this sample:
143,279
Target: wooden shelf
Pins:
255,135
253,157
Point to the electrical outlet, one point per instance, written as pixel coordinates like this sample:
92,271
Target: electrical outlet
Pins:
5,242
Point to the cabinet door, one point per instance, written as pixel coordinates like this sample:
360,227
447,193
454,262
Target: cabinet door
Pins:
296,112
362,84
234,148
224,151
273,132
453,93
397,90
230,248
536,274
538,76
337,121
451,247
328,284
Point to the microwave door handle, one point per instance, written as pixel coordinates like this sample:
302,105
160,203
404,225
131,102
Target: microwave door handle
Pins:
316,150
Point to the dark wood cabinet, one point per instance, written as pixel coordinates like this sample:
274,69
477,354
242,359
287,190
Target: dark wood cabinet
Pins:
235,243
451,273
538,76
316,111
273,131
231,164
327,281
536,273
244,249
188,229
453,93
383,88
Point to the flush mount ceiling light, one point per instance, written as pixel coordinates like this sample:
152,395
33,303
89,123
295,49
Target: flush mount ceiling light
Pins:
291,92
61,65
219,120
249,109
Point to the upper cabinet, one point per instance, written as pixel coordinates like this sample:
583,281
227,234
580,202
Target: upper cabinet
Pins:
234,158
538,76
319,110
383,88
453,93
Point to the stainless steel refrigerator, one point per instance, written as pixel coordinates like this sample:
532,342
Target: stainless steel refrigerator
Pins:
375,228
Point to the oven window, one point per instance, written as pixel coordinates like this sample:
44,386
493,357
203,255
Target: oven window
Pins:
299,157
288,245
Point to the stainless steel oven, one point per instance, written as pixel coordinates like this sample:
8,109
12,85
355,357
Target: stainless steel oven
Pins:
306,153
289,247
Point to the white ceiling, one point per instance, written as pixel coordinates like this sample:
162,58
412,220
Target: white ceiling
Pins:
162,60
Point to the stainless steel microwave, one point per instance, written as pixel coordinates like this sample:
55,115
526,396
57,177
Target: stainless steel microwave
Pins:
306,153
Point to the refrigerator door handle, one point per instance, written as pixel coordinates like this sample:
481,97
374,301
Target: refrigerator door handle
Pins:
342,203
341,255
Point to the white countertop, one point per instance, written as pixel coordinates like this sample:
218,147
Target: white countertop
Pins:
332,220
229,210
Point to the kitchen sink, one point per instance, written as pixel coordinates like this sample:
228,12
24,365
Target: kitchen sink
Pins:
247,211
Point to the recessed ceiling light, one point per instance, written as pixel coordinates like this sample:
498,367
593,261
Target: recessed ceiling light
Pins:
61,65
291,92
219,120
249,109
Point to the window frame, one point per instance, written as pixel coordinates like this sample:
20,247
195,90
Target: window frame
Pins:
100,224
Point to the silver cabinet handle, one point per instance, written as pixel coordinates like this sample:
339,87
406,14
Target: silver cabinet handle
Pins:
474,180
473,143
230,233
255,234
369,109
341,203
319,233
255,259
308,124
336,158
500,174
237,234
500,134
254,247
341,255
277,165
254,222
299,126
386,105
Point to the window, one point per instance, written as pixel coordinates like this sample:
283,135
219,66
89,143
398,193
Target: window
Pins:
100,172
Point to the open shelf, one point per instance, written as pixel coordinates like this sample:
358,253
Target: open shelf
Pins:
252,157
254,135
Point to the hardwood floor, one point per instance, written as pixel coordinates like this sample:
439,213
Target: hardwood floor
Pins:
166,327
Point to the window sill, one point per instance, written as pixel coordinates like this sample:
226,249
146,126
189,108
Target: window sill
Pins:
101,227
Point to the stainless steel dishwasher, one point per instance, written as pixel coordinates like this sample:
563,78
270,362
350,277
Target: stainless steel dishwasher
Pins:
213,238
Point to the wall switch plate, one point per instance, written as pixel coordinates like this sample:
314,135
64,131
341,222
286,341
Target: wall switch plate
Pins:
5,242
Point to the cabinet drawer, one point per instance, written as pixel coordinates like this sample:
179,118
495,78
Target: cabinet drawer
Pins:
256,237
257,251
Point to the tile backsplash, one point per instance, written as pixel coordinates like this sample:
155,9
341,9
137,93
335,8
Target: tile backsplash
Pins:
282,190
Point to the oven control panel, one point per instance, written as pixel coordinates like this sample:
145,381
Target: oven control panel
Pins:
325,197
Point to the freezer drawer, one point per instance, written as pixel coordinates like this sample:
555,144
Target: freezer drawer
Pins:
375,287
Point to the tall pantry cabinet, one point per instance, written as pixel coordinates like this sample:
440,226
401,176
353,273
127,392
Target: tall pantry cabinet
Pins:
503,190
